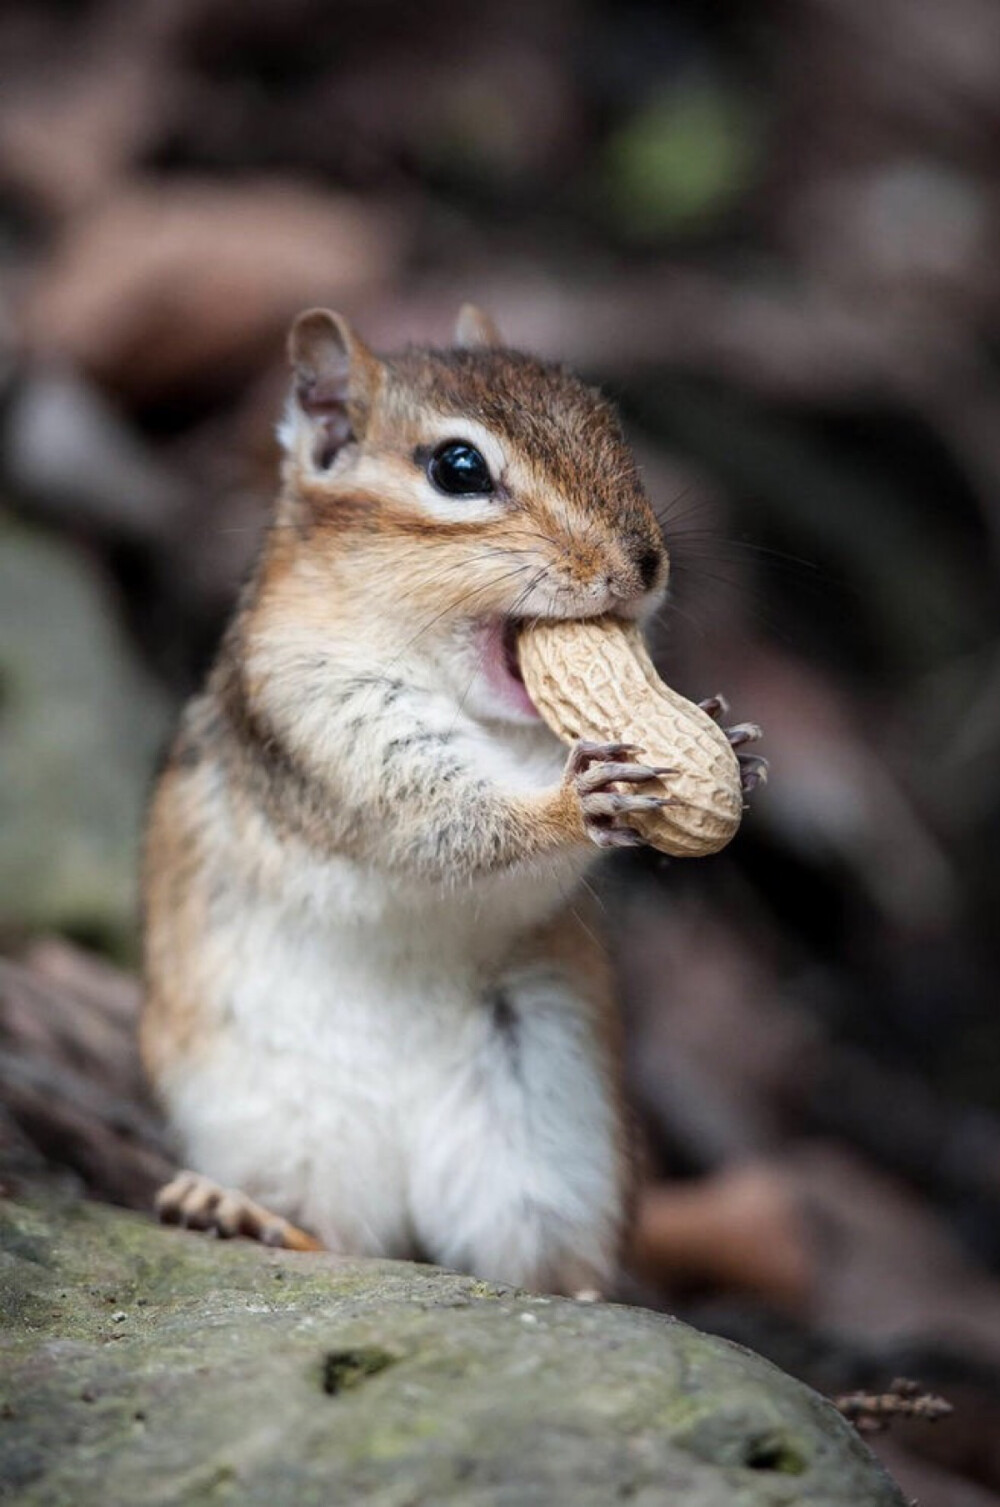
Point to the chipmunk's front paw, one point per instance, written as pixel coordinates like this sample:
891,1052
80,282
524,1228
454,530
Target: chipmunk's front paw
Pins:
753,769
199,1204
592,770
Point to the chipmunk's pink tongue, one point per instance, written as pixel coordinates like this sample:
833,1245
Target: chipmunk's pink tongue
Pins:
502,669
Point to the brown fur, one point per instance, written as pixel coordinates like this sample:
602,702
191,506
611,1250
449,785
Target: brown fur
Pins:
291,752
583,503
563,432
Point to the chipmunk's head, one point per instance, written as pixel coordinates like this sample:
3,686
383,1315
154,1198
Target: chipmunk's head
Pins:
465,489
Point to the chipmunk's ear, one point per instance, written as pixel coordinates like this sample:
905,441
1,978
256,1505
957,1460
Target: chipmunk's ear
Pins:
336,379
474,329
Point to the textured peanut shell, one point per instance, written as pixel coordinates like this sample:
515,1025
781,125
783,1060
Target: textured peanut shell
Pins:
594,679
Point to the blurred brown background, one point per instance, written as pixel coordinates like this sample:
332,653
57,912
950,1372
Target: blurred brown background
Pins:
769,231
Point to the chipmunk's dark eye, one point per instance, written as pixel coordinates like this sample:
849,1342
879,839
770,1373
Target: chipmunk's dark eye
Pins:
459,470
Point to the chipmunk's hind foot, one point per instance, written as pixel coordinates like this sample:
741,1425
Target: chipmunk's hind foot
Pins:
197,1203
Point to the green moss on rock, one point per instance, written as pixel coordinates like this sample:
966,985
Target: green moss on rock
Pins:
152,1365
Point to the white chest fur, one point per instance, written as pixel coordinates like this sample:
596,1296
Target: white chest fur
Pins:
384,1076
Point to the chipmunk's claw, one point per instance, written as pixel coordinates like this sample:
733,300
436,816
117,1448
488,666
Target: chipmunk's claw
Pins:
743,732
592,770
753,771
613,837
583,754
717,707
600,775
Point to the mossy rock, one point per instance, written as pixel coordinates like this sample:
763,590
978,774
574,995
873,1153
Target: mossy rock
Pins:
157,1366
80,725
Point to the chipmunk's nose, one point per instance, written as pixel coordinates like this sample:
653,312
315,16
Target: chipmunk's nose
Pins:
648,559
646,568
648,563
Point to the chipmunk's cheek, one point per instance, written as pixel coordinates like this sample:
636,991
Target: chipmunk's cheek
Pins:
502,677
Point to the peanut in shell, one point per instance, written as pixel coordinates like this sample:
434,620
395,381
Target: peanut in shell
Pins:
594,679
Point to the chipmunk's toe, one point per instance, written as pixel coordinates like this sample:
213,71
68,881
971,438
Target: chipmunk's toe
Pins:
753,771
743,732
584,753
717,707
197,1203
597,771
189,1200
598,776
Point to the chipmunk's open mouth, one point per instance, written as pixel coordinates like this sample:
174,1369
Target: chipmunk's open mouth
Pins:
509,641
503,671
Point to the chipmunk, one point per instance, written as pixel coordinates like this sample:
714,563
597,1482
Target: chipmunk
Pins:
376,1013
